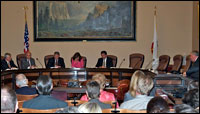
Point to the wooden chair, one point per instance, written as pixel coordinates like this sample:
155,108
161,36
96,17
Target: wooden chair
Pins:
25,97
163,63
19,57
2,57
27,110
20,104
136,60
178,60
114,60
123,111
188,64
122,88
79,102
46,59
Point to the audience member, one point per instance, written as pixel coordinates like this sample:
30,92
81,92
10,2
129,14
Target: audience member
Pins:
192,98
131,94
8,100
144,85
7,62
77,61
28,62
104,95
56,61
157,105
44,86
184,108
93,93
90,107
104,62
71,109
193,71
22,83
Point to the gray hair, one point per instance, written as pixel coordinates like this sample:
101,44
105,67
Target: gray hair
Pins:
21,81
90,108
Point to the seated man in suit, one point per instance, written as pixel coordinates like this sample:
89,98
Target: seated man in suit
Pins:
44,101
56,61
193,71
7,62
104,62
22,83
93,93
28,62
8,100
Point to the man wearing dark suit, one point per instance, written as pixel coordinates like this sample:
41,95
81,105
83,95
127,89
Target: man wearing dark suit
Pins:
44,101
193,71
104,62
93,93
56,61
28,62
7,62
22,83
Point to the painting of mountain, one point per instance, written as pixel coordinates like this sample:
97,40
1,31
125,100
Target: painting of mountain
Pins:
88,20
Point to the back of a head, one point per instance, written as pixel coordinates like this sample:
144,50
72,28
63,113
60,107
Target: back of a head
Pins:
93,89
157,105
134,82
101,79
71,109
90,108
44,85
8,100
192,98
144,84
184,108
21,80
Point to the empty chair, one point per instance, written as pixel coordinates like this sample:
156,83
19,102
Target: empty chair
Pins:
188,63
136,60
25,97
123,87
178,60
46,59
19,58
114,60
163,63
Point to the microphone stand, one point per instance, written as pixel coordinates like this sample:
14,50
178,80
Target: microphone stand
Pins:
121,62
39,62
149,63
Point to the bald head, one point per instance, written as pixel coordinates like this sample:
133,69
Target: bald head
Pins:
21,80
8,100
194,55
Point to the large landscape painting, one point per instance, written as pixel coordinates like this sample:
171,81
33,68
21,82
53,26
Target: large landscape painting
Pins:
84,20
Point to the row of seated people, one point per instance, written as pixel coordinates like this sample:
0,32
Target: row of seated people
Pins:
136,62
137,98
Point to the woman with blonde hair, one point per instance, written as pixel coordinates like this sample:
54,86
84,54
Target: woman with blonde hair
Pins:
131,94
104,95
90,108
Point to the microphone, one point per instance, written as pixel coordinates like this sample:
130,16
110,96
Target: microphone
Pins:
39,62
121,62
149,63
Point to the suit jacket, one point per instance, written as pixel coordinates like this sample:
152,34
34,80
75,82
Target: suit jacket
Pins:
25,63
109,62
102,105
4,64
193,71
51,62
44,102
26,91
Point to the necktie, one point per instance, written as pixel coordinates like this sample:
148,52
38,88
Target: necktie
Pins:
9,65
104,62
56,62
29,62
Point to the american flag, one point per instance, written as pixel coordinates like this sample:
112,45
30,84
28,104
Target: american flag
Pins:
26,39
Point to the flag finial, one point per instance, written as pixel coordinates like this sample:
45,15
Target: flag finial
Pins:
155,10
